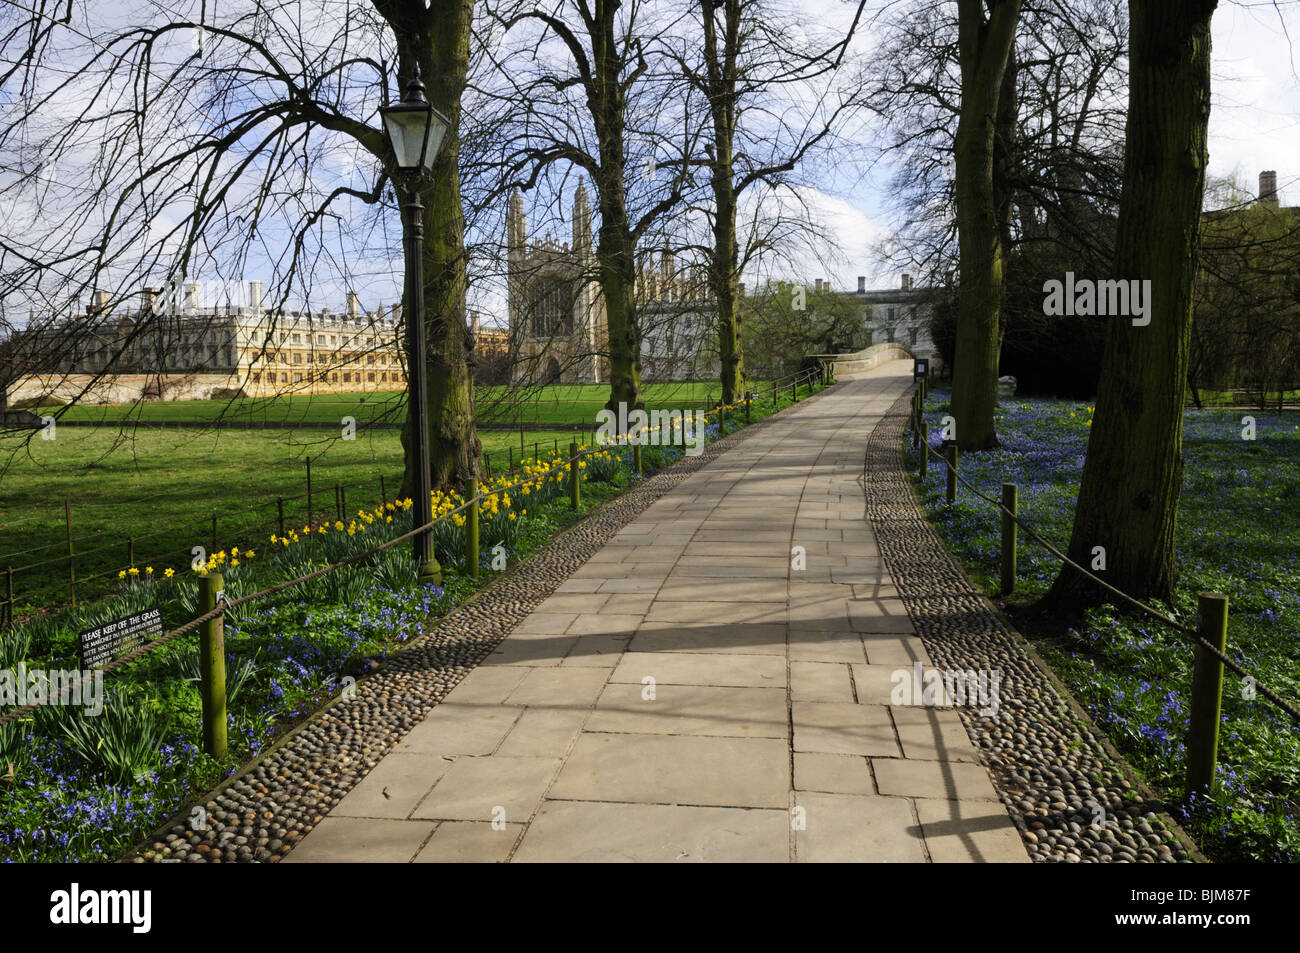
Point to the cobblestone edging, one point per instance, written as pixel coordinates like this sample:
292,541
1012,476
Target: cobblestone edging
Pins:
1052,769
271,805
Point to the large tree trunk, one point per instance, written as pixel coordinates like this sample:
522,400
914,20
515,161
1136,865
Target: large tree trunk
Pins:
1128,498
438,39
616,246
615,257
722,274
723,268
984,49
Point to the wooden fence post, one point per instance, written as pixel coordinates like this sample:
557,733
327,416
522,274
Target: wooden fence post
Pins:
309,491
383,490
212,667
1009,539
575,491
925,451
950,454
1207,693
471,528
72,556
279,512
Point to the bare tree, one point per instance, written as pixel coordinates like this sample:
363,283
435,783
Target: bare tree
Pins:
584,81
984,46
754,65
1058,143
206,143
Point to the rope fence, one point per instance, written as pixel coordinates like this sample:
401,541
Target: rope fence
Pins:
212,664
1209,639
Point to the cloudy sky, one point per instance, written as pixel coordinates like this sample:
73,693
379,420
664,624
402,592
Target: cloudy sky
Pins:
1255,125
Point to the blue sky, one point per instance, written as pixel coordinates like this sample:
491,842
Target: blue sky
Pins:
1255,125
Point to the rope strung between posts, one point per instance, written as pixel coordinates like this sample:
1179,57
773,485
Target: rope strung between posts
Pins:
1228,663
226,606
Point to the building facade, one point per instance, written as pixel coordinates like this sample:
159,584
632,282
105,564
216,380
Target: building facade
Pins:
178,349
558,328
898,315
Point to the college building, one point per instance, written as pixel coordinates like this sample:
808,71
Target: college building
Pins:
558,329
175,348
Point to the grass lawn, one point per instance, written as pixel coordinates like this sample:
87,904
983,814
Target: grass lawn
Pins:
1238,533
565,404
161,488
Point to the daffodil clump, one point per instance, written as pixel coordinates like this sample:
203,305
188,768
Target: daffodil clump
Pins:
504,500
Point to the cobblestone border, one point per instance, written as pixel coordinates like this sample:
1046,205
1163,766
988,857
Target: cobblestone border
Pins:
263,810
1067,789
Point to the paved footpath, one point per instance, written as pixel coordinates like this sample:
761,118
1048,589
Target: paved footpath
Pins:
692,694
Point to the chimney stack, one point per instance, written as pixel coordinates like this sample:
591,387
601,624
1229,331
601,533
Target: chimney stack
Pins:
1268,188
255,298
354,306
907,282
473,323
192,297
99,301
862,284
817,286
397,314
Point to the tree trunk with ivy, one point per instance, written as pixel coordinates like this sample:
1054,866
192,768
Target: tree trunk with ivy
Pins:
1128,497
984,47
615,243
720,81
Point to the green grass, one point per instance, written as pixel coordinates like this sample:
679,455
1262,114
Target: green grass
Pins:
1212,398
153,491
565,404
161,488
1238,533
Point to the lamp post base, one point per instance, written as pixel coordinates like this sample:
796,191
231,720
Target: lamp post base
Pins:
430,572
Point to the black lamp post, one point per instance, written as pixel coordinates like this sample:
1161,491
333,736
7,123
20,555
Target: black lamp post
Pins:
416,130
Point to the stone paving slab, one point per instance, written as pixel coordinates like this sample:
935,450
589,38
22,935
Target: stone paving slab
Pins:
692,693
